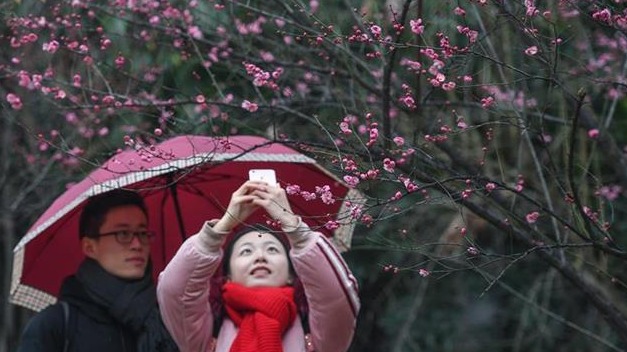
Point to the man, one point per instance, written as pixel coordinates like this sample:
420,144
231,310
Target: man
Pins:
110,303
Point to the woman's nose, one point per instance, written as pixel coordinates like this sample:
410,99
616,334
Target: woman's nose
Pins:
260,257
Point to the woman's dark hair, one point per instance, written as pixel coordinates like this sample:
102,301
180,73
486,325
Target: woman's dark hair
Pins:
97,207
221,275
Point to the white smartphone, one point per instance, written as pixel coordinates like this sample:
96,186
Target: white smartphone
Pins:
264,175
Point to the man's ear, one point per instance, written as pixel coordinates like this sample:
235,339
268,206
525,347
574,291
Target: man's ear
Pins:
89,246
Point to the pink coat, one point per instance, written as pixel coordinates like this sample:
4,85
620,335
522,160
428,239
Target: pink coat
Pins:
330,288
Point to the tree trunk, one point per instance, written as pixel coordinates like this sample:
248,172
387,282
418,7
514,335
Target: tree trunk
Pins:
7,239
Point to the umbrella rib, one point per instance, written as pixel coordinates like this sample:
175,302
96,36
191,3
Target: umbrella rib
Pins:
177,207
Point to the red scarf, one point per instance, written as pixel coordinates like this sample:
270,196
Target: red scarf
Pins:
262,314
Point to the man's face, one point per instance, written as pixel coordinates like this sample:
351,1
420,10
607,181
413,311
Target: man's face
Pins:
127,261
259,259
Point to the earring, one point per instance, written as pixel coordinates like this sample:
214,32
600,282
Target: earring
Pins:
290,282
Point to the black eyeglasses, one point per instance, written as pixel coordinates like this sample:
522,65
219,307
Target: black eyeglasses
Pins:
126,236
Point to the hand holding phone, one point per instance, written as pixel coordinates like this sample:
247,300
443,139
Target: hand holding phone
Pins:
263,175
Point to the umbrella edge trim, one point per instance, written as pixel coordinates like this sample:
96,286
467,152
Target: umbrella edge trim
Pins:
31,298
343,235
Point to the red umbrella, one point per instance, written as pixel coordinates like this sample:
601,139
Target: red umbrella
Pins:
184,181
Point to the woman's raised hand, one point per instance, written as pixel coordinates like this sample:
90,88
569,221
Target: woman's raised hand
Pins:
240,207
252,195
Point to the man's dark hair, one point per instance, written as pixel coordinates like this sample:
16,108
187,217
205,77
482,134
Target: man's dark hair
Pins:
97,207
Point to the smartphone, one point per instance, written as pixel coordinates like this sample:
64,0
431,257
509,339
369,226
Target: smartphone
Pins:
263,175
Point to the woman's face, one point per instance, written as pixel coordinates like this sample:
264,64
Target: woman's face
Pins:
259,259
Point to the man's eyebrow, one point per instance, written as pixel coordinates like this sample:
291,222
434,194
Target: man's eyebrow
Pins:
127,225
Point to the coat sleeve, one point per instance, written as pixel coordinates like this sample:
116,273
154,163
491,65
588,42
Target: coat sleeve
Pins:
44,332
331,291
183,295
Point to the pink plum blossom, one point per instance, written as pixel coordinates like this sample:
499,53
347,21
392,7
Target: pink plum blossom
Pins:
325,194
603,16
24,79
332,225
532,217
389,165
292,189
610,193
352,181
531,8
416,26
593,133
411,65
487,102
15,101
51,46
532,50
546,138
251,107
376,31
472,251
195,32
449,86
408,101
120,61
76,80
345,128
308,196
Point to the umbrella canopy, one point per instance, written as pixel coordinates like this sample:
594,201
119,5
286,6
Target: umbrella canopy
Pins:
184,181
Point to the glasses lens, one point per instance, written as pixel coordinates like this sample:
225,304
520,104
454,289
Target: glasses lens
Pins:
124,236
143,236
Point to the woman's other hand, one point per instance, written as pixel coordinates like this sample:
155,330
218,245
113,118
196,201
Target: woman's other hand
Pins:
274,200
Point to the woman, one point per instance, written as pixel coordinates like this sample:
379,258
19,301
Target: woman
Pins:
262,313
